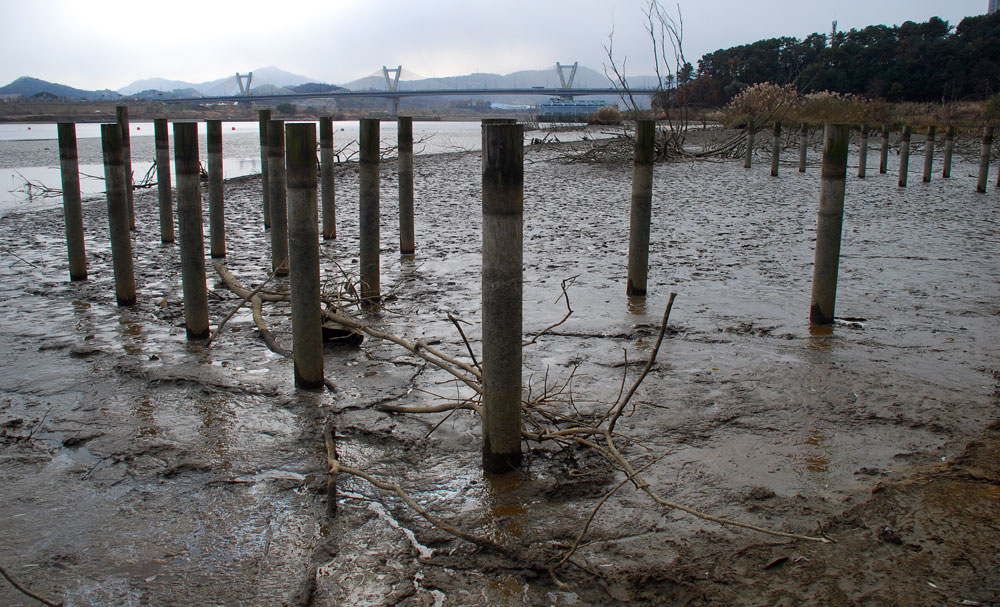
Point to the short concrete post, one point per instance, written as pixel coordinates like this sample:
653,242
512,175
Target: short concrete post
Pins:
503,230
642,208
263,118
929,153
831,217
69,166
803,146
303,250
162,138
368,208
748,159
216,203
328,192
904,155
863,153
984,159
276,187
776,149
407,246
883,160
189,224
123,124
949,150
121,241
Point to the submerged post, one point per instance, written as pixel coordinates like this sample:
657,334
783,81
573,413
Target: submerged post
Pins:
949,150
831,218
121,241
368,208
863,152
189,223
329,195
69,166
748,159
404,163
984,160
803,146
929,153
776,149
276,187
904,155
303,250
503,208
263,118
642,208
216,204
122,112
163,188
883,161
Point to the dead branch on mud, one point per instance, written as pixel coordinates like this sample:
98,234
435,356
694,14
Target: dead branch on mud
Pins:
25,591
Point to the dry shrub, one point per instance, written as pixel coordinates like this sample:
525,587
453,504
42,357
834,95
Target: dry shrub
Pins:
761,103
607,114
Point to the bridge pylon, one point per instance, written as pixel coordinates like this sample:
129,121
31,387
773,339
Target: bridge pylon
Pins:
392,84
560,68
244,88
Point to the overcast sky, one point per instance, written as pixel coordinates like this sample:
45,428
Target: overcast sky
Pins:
93,44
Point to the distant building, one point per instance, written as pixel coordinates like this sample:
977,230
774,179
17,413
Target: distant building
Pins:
567,110
994,7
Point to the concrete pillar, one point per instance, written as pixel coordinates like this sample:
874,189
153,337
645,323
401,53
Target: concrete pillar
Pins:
407,245
803,146
642,207
984,159
162,138
263,118
776,149
118,217
831,217
276,187
368,208
189,224
929,153
329,196
883,161
216,203
503,208
303,250
123,124
863,152
904,155
748,159
949,150
69,166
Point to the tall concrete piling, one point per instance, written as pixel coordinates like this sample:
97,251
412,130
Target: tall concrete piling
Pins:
863,153
189,224
277,198
69,166
803,146
216,201
748,158
642,208
118,217
776,149
368,209
404,163
929,153
327,185
303,250
949,150
263,118
904,155
163,189
503,233
830,222
883,159
123,124
984,159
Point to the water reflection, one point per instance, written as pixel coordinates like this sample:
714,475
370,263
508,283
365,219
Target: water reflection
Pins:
506,513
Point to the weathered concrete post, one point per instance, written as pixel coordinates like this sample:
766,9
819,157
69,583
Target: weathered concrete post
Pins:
276,187
407,246
776,149
216,203
863,152
122,112
121,241
189,224
303,250
368,208
263,118
69,166
929,153
883,161
162,138
748,159
984,160
831,217
328,193
949,150
904,155
503,208
642,208
803,146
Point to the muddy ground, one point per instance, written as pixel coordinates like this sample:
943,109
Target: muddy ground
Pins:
140,469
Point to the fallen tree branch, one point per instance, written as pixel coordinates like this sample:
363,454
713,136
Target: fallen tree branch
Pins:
25,591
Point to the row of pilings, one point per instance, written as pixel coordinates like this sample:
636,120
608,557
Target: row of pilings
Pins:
293,215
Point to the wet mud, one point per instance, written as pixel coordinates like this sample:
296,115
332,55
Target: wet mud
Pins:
141,469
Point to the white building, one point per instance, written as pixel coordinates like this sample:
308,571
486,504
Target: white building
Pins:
994,7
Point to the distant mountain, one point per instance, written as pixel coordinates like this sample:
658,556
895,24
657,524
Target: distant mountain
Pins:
549,78
262,77
29,87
